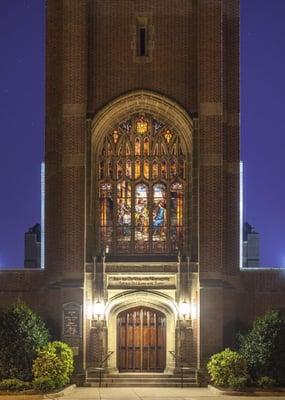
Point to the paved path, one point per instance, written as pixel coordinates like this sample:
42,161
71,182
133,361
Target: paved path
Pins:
153,393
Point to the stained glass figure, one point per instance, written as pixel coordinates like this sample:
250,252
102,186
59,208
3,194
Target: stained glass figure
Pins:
124,200
142,182
141,213
159,211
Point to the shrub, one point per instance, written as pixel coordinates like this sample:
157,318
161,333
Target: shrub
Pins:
238,383
265,382
54,361
263,347
14,385
227,368
44,384
21,332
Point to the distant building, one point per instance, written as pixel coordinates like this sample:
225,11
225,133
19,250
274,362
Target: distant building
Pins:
33,247
251,257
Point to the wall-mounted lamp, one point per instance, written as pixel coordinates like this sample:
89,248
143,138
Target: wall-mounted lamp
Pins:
193,310
107,249
98,309
184,309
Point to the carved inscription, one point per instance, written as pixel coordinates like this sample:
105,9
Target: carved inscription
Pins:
129,282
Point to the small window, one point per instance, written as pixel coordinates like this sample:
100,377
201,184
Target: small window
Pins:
142,44
142,23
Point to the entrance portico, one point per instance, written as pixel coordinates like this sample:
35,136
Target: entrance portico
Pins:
162,304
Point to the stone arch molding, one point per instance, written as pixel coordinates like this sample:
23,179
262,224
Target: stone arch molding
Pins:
142,101
147,298
142,298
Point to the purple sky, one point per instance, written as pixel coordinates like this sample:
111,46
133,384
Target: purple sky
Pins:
22,122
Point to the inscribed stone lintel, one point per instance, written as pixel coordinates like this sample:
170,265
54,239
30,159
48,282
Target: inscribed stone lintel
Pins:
211,109
73,160
211,160
76,109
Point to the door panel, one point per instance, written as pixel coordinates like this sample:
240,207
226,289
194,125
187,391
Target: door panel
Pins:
141,334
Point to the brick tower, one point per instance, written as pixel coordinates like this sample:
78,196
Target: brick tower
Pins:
176,63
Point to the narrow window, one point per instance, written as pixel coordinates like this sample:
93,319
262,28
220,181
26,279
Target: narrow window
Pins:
142,36
142,42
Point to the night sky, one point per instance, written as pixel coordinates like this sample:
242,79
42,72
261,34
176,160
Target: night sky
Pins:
22,28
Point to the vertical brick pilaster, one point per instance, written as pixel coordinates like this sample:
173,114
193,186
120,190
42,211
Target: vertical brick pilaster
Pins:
74,87
53,139
231,153
210,135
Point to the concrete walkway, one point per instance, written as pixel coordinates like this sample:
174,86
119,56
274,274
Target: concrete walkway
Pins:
153,393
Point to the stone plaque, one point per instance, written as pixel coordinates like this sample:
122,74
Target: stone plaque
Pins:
72,320
139,281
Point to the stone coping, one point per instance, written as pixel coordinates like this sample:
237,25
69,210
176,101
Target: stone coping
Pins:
250,392
29,396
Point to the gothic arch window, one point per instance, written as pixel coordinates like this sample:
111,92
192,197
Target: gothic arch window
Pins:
141,173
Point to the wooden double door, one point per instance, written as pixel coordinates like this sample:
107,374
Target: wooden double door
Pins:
141,337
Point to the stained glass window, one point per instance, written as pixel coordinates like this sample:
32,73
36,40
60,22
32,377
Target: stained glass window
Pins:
142,181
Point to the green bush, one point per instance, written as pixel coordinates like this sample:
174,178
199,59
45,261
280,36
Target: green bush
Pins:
14,385
227,369
265,382
54,361
238,383
44,384
263,347
21,332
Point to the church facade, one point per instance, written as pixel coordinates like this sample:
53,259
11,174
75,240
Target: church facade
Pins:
142,268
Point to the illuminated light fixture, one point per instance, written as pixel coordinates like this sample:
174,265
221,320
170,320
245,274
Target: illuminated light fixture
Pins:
107,250
98,309
184,308
193,310
141,126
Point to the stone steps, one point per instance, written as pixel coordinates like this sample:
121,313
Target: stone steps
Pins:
141,380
